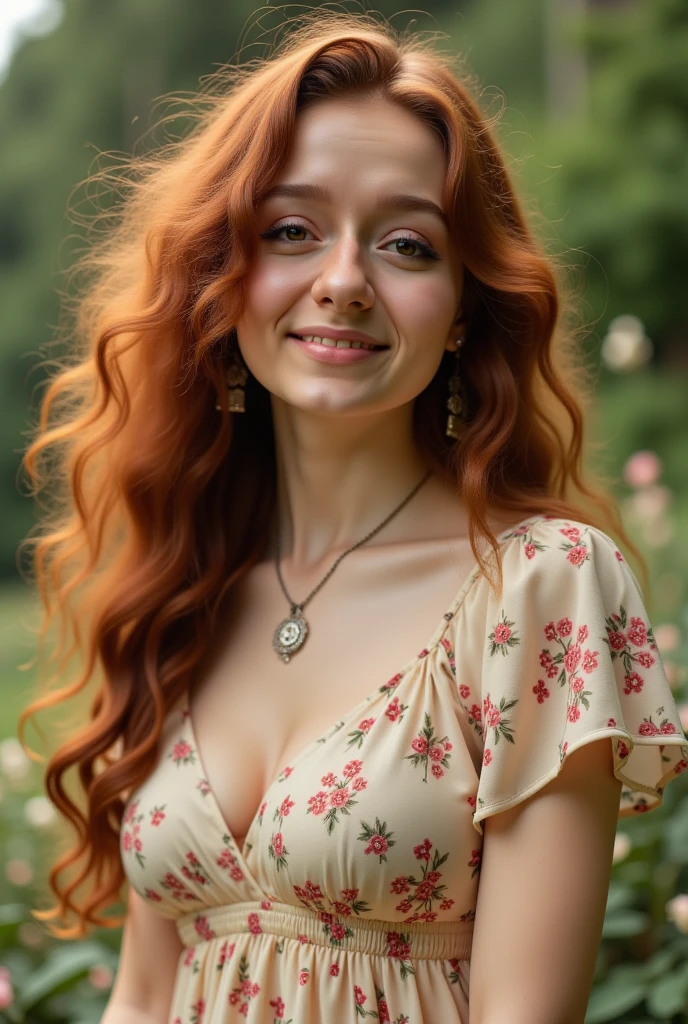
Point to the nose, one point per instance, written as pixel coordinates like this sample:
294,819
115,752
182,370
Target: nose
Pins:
343,281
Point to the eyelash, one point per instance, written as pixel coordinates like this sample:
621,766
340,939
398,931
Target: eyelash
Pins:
427,252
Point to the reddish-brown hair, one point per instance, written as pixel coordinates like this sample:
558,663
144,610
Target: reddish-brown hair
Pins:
160,503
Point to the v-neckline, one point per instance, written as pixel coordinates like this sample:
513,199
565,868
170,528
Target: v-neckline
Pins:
341,722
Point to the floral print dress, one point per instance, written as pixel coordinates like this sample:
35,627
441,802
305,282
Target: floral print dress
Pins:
354,894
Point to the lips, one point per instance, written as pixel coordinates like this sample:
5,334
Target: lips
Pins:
300,337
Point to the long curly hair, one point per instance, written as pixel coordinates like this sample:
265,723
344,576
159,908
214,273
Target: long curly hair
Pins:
159,503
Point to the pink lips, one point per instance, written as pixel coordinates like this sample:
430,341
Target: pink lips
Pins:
337,356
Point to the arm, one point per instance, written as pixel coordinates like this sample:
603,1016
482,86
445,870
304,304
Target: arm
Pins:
543,891
142,992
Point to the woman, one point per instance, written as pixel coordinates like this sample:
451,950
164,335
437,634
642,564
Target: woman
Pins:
323,333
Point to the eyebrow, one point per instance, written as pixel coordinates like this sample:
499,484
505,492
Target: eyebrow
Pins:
399,201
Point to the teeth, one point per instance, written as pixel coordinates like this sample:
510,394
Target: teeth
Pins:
331,343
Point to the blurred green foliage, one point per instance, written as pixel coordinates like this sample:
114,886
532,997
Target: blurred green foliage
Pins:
608,173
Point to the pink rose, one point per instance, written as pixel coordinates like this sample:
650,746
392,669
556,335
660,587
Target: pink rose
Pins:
637,634
339,797
437,770
278,844
647,729
529,550
436,753
617,640
377,845
564,627
577,555
572,658
420,745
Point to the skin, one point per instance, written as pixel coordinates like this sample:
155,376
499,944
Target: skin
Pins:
346,454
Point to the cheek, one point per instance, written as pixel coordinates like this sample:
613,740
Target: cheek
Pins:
422,307
270,287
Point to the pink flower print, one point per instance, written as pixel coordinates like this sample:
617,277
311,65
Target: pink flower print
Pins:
359,995
317,804
339,797
278,1006
619,556
423,745
572,658
400,885
203,786
182,753
529,550
357,736
177,888
383,1011
265,904
395,710
645,659
378,839
464,691
634,683
226,953
622,749
611,723
422,851
151,894
573,713
647,728
253,922
550,631
399,948
303,976
437,770
302,938
203,929
278,844
564,627
261,811
197,1011
487,757
498,719
572,533
246,990
541,691
228,861
582,634
617,640
284,774
189,956
503,636
194,870
668,729
285,807
157,814
334,970
577,684
637,634
394,681
329,780
131,837
278,851
590,660
547,663
577,554
448,745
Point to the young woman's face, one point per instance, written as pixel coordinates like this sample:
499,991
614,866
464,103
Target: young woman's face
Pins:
345,250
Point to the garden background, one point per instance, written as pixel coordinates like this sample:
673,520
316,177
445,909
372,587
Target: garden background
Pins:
595,119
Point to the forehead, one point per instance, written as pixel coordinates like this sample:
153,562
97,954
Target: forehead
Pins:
365,145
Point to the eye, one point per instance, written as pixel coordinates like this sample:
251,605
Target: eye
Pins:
425,252
279,228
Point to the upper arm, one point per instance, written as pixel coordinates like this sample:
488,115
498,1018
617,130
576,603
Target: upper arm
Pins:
148,960
544,882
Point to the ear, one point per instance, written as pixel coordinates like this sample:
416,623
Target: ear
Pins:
458,330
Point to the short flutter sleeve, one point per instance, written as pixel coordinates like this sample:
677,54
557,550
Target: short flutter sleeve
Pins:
569,656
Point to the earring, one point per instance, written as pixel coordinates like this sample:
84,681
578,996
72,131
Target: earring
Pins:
236,376
455,403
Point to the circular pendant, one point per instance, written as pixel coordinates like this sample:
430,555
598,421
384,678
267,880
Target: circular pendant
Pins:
290,635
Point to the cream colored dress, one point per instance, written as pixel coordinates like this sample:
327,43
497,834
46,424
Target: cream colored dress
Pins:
354,894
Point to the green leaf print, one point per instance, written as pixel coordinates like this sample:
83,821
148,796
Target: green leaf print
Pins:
379,839
503,636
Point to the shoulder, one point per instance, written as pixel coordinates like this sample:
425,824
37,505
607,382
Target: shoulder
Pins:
567,549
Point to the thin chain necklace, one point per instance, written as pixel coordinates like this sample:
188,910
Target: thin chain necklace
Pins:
291,633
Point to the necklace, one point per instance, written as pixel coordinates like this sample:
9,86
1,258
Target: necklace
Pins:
291,632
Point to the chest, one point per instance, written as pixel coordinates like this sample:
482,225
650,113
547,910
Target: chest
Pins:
253,714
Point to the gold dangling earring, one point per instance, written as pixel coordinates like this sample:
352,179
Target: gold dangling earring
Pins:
455,402
236,376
